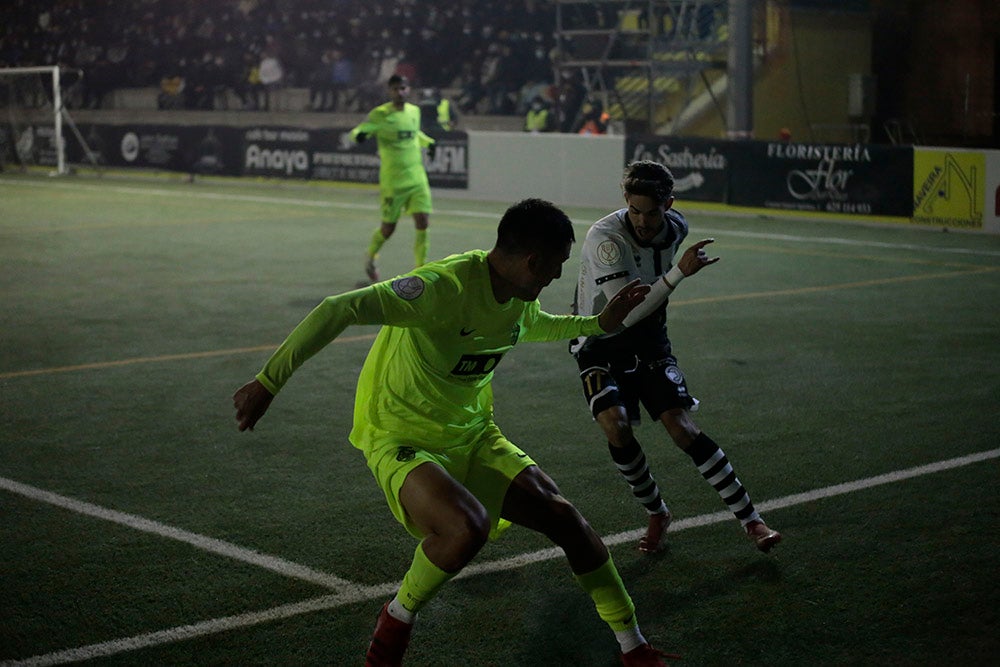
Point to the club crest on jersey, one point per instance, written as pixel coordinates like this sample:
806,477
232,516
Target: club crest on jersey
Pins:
608,253
408,288
674,374
404,454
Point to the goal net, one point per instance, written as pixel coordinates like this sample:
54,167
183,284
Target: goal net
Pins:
32,119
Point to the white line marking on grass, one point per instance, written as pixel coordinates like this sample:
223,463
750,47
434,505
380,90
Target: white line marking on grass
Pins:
362,593
210,544
319,203
195,630
219,196
819,494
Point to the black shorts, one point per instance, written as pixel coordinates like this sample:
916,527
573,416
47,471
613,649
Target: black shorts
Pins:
626,380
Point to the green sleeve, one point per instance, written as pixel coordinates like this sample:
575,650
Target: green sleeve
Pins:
376,304
369,126
542,326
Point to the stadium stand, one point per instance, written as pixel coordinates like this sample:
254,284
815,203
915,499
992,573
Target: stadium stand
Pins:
129,50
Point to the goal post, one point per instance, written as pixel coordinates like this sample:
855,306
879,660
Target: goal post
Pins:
31,97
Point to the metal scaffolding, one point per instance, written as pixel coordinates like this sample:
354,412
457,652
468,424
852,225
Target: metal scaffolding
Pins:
644,61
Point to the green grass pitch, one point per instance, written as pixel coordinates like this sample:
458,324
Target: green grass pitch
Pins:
139,527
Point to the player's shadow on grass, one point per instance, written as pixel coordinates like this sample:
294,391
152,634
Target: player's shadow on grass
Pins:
553,626
697,579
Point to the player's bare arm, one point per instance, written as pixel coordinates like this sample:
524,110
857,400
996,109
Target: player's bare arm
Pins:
621,304
695,258
251,402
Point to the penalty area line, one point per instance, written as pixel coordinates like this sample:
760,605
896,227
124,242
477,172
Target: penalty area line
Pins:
205,543
363,593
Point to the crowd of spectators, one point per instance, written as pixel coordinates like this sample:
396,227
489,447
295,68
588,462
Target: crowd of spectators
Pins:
496,55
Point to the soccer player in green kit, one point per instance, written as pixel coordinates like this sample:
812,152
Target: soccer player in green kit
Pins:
423,414
402,178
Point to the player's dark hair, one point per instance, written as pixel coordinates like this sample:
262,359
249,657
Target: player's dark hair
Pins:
534,225
648,179
398,78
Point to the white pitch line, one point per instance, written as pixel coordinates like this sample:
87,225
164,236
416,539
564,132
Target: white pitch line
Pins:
362,593
314,203
254,199
210,544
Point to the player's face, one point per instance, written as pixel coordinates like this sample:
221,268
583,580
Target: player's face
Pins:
646,215
542,270
398,92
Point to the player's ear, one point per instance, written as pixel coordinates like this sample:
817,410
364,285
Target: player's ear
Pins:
670,202
533,262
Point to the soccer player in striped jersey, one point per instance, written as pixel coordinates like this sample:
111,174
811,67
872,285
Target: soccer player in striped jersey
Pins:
423,414
620,369
402,179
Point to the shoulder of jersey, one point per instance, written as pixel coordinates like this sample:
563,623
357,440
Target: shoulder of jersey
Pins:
678,217
449,272
608,226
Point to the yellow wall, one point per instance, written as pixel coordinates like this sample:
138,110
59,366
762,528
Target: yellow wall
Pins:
821,51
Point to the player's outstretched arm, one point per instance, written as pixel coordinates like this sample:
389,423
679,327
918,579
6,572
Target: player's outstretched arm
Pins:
695,258
621,304
251,402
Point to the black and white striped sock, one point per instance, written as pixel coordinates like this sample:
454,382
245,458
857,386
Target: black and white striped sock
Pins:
631,463
717,471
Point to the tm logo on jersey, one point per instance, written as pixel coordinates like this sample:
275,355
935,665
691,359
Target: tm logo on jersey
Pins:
477,364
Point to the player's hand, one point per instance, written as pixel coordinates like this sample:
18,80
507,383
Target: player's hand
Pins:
695,258
622,304
431,151
360,137
251,402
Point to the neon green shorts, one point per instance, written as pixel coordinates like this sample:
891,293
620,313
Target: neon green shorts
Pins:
415,199
485,467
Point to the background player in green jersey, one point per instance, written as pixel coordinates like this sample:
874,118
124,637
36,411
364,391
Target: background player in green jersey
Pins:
423,414
402,179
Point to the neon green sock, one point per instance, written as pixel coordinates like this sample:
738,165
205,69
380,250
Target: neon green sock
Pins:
420,245
613,603
421,582
376,243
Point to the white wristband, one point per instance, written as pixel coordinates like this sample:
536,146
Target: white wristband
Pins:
673,277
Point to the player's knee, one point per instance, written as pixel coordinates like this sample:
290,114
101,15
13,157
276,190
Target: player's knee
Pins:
470,531
620,434
680,426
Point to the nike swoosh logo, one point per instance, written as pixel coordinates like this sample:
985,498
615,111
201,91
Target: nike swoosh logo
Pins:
463,332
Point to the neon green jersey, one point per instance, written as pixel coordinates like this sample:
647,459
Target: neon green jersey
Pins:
427,379
399,142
